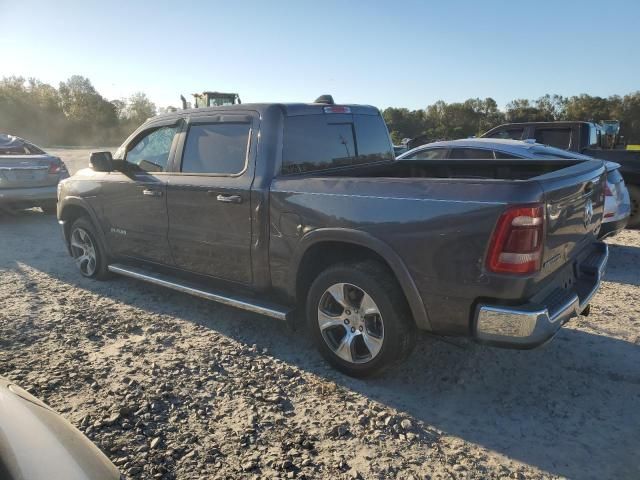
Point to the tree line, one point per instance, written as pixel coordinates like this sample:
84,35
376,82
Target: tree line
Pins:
447,121
72,114
76,114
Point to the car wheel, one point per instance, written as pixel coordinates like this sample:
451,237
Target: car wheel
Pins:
634,217
359,318
86,250
49,208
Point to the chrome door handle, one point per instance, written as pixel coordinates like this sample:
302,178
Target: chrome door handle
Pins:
152,193
229,198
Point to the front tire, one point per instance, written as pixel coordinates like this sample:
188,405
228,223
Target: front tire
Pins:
86,250
359,318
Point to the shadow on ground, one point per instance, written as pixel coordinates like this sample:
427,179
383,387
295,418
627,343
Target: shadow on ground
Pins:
624,264
571,408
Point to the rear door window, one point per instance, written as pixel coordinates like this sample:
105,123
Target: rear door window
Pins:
216,148
428,154
323,141
504,155
555,137
373,139
471,154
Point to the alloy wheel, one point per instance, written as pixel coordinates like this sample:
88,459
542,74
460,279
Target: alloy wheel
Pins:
350,323
83,251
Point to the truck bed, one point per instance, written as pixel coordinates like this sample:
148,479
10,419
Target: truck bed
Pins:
506,169
438,217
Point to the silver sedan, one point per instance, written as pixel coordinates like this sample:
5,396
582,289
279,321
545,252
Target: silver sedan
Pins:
28,175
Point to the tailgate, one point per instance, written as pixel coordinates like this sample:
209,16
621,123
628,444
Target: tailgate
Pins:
26,171
574,199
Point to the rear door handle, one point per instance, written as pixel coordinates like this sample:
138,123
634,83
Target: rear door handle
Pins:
152,193
229,198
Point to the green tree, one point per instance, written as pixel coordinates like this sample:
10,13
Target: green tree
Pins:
139,108
30,109
120,107
404,123
521,110
90,117
551,107
587,108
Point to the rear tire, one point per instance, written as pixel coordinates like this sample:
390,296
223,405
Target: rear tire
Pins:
634,194
87,250
359,318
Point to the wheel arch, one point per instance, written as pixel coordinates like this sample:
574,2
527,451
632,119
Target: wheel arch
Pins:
318,249
74,208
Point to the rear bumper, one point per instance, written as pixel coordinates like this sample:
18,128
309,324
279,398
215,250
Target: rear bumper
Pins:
532,324
28,195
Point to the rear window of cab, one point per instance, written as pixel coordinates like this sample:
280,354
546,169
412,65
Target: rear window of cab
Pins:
325,141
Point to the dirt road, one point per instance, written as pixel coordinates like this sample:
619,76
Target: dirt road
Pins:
170,386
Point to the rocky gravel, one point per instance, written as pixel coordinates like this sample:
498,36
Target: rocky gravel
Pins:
174,387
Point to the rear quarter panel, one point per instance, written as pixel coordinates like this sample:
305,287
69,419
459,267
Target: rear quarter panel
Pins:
439,228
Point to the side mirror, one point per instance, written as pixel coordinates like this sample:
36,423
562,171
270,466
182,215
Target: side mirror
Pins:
101,161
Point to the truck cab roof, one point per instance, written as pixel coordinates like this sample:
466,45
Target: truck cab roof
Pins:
288,109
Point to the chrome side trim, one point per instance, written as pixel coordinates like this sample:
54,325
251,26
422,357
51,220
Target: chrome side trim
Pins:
269,311
376,197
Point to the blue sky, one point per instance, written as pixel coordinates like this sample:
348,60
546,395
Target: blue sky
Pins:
392,53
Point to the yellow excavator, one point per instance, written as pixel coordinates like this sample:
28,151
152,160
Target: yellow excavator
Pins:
211,99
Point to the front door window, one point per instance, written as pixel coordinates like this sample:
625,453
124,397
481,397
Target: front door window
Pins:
150,153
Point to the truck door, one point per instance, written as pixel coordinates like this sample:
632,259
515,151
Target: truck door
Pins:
134,201
209,197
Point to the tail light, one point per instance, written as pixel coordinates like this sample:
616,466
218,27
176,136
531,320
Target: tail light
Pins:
516,244
607,190
56,166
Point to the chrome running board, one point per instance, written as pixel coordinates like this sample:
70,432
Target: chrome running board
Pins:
250,305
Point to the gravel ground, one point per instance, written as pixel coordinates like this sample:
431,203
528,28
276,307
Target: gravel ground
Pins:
170,386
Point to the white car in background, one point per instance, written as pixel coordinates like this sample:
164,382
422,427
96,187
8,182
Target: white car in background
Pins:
617,201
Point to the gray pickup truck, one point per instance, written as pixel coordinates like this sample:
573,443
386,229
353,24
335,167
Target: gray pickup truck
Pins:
300,211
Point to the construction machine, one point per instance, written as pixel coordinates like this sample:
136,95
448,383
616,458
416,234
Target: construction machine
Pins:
211,99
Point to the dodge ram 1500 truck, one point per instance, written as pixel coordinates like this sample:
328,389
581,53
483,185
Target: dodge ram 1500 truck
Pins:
300,211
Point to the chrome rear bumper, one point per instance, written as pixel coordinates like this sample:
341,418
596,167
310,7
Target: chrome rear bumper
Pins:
532,324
